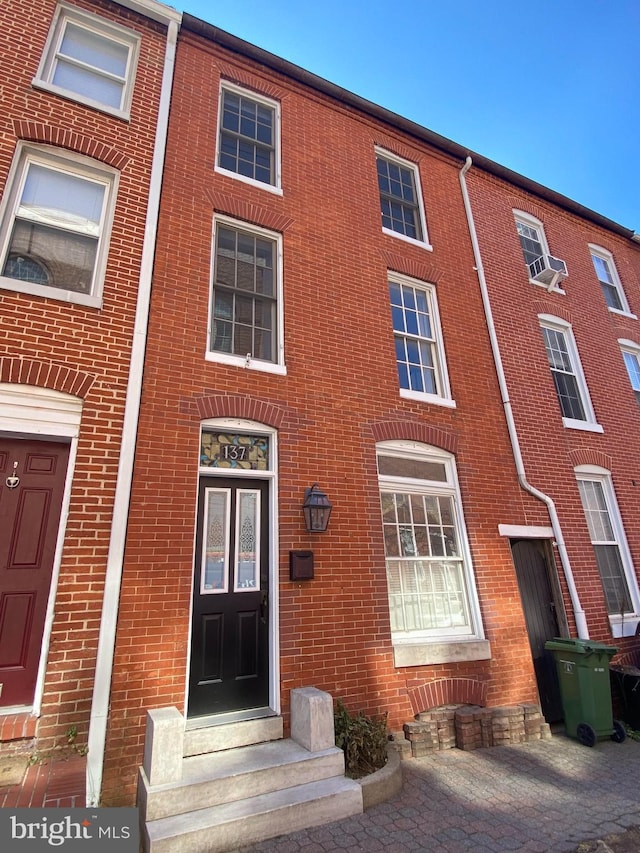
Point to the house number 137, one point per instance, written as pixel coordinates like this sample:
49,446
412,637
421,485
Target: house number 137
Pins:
233,452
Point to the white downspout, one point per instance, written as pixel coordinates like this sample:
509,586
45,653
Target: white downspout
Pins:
581,622
113,578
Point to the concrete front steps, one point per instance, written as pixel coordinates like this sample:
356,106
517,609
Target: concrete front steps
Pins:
236,784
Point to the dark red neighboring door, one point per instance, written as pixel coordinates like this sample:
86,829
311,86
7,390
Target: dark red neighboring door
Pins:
230,630
32,478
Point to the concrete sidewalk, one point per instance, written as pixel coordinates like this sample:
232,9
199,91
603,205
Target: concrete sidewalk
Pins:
540,797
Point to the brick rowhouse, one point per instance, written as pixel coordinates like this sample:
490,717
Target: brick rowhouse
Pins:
75,171
335,400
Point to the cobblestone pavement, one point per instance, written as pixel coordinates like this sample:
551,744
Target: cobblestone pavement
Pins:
539,797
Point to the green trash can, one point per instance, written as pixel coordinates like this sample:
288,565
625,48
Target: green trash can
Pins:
585,689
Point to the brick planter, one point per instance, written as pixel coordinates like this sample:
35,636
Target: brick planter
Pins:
472,727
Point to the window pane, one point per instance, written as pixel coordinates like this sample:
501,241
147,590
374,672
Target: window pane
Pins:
605,545
424,572
244,267
398,198
247,133
633,369
419,469
215,548
562,370
96,50
66,259
92,65
416,355
614,582
62,200
247,539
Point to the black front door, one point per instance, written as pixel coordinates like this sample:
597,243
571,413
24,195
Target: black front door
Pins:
230,631
530,560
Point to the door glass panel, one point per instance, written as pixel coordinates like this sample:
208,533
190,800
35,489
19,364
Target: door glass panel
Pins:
215,551
247,569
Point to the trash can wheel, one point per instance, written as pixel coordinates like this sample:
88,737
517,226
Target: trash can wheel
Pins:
586,734
619,732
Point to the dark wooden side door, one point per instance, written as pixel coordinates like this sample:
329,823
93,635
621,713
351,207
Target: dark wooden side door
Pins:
229,668
532,571
32,478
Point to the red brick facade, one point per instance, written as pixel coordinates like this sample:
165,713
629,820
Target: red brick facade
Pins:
82,352
551,451
325,406
339,397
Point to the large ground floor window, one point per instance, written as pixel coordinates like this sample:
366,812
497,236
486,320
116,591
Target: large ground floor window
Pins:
429,573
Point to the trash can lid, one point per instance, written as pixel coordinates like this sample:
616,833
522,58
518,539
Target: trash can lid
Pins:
578,646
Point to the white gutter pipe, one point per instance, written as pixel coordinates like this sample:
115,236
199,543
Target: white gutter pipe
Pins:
581,622
113,579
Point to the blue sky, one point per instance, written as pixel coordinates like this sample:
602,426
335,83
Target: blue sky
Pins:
550,89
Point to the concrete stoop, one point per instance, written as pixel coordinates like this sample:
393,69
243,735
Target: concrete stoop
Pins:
241,785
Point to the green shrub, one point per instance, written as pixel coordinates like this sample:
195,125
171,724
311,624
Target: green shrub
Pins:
363,740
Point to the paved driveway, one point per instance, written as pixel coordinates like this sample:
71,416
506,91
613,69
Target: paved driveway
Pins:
540,797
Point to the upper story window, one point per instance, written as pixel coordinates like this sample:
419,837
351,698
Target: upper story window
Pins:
429,575
571,387
542,267
609,280
248,139
246,305
90,60
631,357
420,355
609,544
400,198
54,226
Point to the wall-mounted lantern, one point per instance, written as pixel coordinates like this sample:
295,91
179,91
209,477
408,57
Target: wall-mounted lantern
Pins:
317,509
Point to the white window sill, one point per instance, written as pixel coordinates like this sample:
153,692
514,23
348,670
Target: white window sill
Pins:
423,397
624,626
50,292
451,651
246,363
622,313
586,426
421,243
276,190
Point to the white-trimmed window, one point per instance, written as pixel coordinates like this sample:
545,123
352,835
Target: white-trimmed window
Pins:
90,60
568,377
420,358
249,137
609,280
429,573
631,357
246,326
542,267
55,223
610,545
400,198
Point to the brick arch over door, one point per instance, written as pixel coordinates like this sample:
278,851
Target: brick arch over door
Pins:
448,691
45,374
237,406
412,431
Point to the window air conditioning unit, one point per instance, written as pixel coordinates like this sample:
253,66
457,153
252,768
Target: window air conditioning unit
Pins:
548,270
